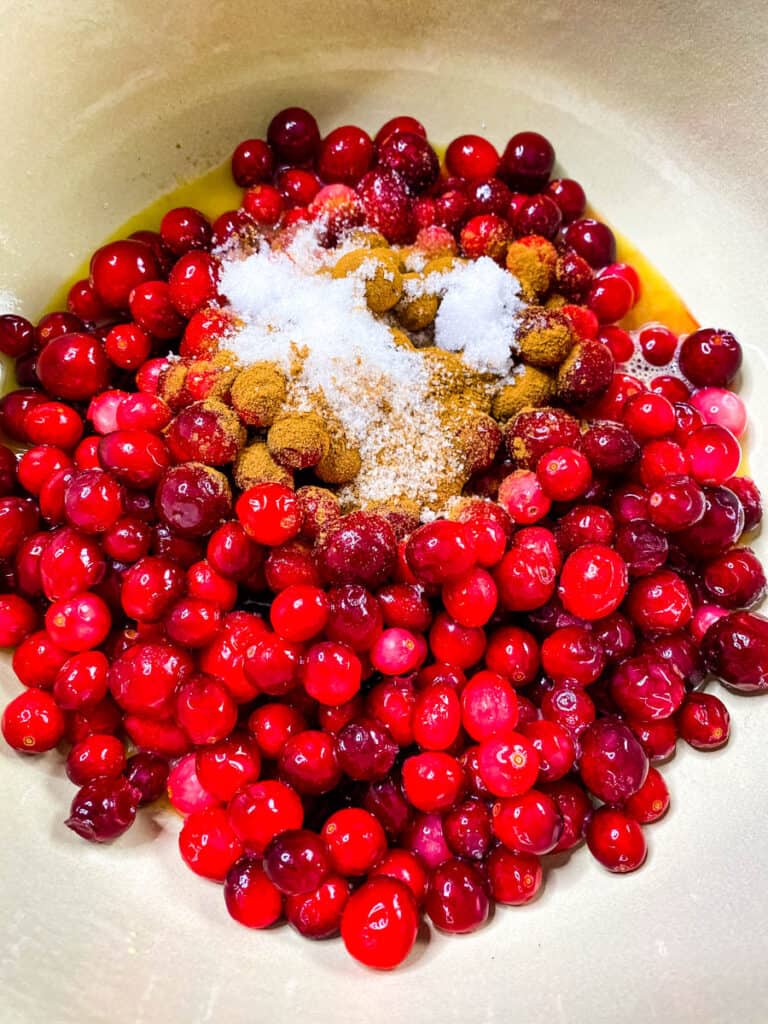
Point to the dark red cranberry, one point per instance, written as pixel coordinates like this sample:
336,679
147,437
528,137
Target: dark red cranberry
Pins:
704,722
293,135
412,158
148,775
538,215
527,161
719,527
592,240
73,367
297,861
642,546
736,578
193,499
569,196
457,900
710,358
616,840
646,688
609,447
358,548
365,750
613,764
746,490
345,155
735,648
103,809
17,336
386,204
252,162
488,196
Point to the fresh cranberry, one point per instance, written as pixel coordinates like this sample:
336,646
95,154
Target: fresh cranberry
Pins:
514,878
569,196
297,861
591,240
713,453
735,579
386,204
538,215
593,581
529,823
647,689
208,845
293,135
17,336
651,801
719,527
613,764
251,898
73,367
33,722
148,774
703,721
471,157
522,495
735,648
103,809
345,155
308,762
96,757
748,494
439,551
526,163
380,922
710,358
117,268
616,840
486,234
658,738
432,781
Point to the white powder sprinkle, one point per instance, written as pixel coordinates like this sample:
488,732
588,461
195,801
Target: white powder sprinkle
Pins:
288,304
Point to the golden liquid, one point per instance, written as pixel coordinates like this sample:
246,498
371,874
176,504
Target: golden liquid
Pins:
215,192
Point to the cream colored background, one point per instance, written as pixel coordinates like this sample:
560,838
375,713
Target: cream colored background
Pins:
659,109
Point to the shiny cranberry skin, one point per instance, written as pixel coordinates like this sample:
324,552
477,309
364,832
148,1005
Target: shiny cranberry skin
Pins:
646,688
103,809
117,268
471,157
704,722
193,499
293,135
380,922
436,717
736,578
676,503
529,823
78,623
713,454
710,358
144,678
37,660
410,157
252,162
592,240
735,648
308,762
457,901
73,367
593,581
572,652
365,750
658,738
488,706
509,765
749,497
95,757
32,722
432,780
613,764
440,551
569,196
317,915
660,603
207,844
538,215
719,527
642,546
148,774
150,588
615,840
81,681
53,423
251,898
457,645
651,801
17,336
467,830
297,861
527,161
345,155
260,811
514,879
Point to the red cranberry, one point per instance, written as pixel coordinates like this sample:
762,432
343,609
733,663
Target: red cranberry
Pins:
308,762
736,578
193,499
593,581
103,809
365,750
613,764
713,453
412,158
207,844
252,161
269,513
184,228
81,681
514,878
293,135
530,823
676,503
569,196
616,840
592,240
574,653
96,757
651,801
151,307
191,284
143,679
704,722
489,195
538,215
117,268
251,898
317,915
535,432
262,810
432,781
710,358
148,774
748,494
17,336
457,901
719,527
345,155
386,203
643,547
297,861
471,157
658,738
32,722
647,689
526,163
73,367
735,648
380,922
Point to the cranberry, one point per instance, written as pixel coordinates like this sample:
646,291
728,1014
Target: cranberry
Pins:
439,551
736,649
658,738
317,915
17,336
710,358
252,161
647,689
713,453
719,527
735,579
95,757
529,823
651,801
749,498
150,588
308,762
591,240
143,679
251,898
78,623
564,474
526,576
489,706
33,722
345,155
593,581
585,524
616,840
103,809
432,781
191,284
485,235
610,298
538,215
293,135
526,163
297,861
148,774
569,196
81,681
534,432
514,878
269,513
380,922
703,721
53,423
208,845
117,268
573,652
457,645
613,764
386,204
521,494
73,367
471,157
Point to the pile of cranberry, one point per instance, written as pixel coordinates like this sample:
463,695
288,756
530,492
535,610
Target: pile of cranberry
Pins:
361,723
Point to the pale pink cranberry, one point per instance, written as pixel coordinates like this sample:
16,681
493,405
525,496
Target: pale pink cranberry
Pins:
185,791
722,407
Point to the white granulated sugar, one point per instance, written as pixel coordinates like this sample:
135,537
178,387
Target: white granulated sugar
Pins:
290,306
377,389
478,313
